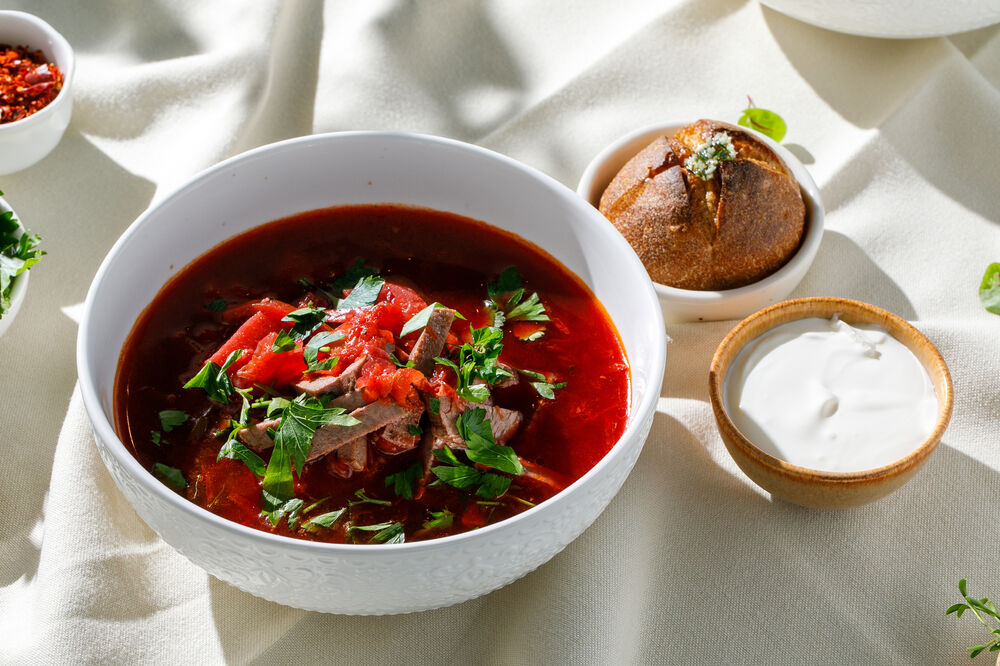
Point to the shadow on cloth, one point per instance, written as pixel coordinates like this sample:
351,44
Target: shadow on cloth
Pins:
861,78
81,238
150,29
843,269
472,75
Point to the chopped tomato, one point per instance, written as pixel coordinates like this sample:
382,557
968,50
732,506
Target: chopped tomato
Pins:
473,517
406,304
272,308
272,368
246,338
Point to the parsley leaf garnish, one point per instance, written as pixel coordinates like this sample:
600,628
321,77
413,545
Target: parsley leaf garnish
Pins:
306,319
402,482
989,289
350,278
308,284
283,343
478,360
505,300
542,384
171,475
318,343
171,418
364,293
324,520
364,499
299,422
17,255
475,429
439,520
156,436
214,380
419,320
216,305
387,532
236,450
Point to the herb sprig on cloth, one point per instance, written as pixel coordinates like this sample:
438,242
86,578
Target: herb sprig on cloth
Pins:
17,255
982,609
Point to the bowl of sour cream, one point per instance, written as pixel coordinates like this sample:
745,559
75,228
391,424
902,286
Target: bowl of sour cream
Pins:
829,402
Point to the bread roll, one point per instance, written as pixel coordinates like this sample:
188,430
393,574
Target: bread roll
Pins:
740,224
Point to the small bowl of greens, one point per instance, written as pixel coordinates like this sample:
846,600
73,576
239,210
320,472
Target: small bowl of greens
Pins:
18,252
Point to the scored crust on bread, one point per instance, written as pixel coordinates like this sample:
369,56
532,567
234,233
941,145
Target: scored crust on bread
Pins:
734,228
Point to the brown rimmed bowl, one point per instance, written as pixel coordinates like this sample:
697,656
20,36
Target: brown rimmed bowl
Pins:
815,488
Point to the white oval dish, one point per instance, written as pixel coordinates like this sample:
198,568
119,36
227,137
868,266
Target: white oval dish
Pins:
19,289
892,18
313,172
24,142
685,305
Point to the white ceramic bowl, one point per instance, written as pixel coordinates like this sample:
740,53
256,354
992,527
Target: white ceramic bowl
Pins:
26,141
684,305
355,168
892,18
20,287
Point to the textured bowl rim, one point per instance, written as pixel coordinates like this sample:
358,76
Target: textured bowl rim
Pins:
68,68
106,432
827,306
800,261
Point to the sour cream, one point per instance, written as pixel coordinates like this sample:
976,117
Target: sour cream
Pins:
825,395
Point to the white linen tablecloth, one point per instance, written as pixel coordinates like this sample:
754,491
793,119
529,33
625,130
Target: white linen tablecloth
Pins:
691,563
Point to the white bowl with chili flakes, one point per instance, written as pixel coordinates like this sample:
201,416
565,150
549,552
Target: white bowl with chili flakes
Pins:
25,87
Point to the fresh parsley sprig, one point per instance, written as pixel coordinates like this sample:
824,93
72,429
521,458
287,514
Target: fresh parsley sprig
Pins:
475,429
386,532
17,255
982,608
507,303
542,385
479,359
402,483
214,380
299,422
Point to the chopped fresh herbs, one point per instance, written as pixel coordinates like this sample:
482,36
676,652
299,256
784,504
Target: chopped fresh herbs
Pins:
315,504
402,482
766,122
318,343
171,418
364,293
434,404
542,385
236,450
982,609
350,278
364,499
989,289
706,158
387,532
308,284
439,520
398,363
289,510
216,305
414,430
465,477
478,360
323,520
419,320
156,437
285,342
299,422
505,300
475,429
214,379
306,321
17,255
171,475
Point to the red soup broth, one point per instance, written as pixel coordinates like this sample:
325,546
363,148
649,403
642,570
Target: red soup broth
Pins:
445,258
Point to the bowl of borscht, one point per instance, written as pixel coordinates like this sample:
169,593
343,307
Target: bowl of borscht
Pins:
370,372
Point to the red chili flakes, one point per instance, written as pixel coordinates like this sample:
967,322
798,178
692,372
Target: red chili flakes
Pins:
28,82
